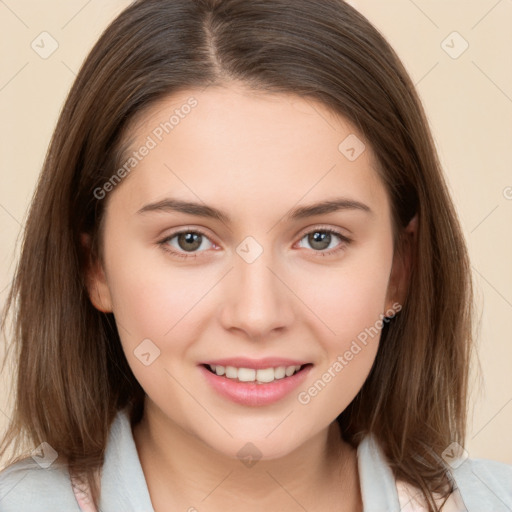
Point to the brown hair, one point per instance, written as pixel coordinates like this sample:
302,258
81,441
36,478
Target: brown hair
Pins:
72,375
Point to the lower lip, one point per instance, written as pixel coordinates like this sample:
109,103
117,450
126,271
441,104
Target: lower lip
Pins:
251,393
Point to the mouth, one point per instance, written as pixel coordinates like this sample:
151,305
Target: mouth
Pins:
255,387
256,376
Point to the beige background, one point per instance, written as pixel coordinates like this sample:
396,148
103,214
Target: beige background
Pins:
468,100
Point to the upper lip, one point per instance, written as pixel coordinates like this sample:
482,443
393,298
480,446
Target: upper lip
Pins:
267,362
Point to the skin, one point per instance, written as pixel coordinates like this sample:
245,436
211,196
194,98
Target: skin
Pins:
255,156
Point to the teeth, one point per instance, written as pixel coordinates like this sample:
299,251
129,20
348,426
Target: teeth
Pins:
231,373
290,370
252,375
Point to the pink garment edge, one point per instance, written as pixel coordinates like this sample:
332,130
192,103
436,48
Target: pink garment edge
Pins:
82,492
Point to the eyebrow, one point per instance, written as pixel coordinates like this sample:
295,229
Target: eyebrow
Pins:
301,212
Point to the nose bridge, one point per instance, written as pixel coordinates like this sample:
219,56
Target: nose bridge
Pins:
257,301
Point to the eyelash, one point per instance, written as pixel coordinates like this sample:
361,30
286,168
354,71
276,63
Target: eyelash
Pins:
344,241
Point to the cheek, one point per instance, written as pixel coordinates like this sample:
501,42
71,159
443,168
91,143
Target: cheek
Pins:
157,309
336,383
351,297
352,309
350,306
150,295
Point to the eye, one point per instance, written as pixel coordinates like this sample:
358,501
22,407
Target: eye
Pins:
321,239
186,243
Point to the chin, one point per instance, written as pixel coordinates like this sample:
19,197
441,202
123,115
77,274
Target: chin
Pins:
254,447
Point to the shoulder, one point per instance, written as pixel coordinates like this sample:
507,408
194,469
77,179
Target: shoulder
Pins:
31,486
480,484
484,481
498,472
27,486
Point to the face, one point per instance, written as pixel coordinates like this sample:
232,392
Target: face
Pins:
250,276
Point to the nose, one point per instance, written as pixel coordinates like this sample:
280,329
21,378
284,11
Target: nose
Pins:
257,300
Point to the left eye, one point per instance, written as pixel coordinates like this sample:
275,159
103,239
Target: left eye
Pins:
321,239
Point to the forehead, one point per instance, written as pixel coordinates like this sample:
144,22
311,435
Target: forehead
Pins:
239,147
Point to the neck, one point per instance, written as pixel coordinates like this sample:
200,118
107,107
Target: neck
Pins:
181,469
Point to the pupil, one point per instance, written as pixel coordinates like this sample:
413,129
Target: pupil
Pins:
319,237
192,241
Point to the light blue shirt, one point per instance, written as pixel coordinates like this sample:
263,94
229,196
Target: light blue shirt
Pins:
484,485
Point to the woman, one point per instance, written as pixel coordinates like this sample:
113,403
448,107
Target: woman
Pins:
243,280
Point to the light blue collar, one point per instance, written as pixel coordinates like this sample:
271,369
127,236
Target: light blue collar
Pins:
480,482
378,485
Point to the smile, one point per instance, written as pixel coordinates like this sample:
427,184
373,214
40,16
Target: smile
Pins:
262,375
254,387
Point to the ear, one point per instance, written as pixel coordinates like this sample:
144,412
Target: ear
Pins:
95,280
402,264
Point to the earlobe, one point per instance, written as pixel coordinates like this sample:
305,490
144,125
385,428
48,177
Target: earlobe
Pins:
95,279
402,265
